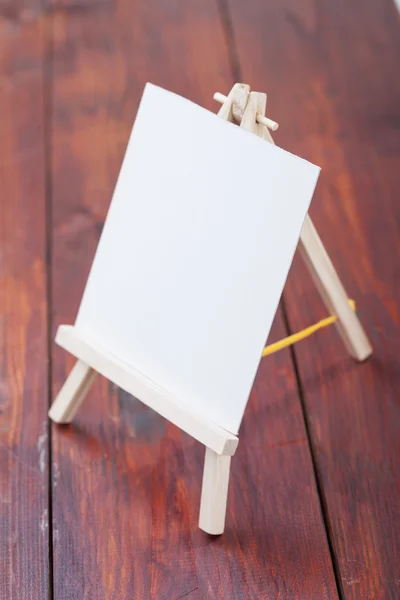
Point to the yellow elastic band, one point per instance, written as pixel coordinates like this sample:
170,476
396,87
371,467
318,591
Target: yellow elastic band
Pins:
304,333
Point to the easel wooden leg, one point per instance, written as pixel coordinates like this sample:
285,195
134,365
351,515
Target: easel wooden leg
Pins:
332,292
214,492
72,394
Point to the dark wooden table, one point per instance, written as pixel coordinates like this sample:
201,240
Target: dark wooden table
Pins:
107,507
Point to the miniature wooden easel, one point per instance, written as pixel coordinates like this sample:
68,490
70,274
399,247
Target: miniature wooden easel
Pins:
246,109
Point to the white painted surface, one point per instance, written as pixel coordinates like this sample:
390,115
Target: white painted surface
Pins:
194,254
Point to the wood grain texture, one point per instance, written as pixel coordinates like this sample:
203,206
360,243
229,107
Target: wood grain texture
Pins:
24,510
335,91
126,485
19,12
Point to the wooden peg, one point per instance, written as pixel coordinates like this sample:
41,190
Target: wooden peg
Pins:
263,120
234,104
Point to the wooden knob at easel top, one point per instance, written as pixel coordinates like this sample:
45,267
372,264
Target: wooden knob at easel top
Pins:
273,125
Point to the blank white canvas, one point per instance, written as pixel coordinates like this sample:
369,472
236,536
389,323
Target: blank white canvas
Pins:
194,254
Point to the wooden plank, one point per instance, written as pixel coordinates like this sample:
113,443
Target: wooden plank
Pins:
127,483
24,506
343,118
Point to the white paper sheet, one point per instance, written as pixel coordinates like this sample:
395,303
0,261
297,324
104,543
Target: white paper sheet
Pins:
194,254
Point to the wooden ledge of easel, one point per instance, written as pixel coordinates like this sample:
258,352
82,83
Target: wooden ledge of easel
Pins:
89,352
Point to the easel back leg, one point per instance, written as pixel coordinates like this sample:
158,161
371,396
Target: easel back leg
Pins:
332,292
